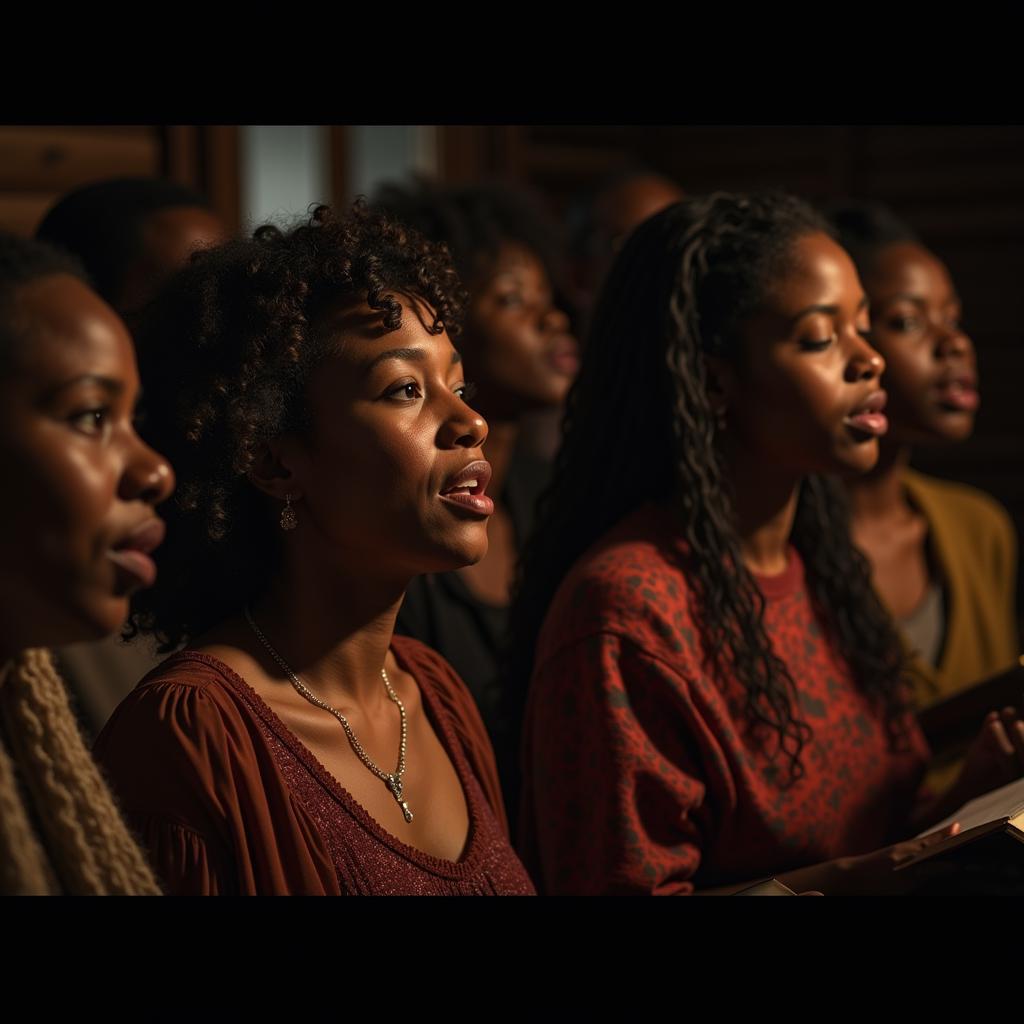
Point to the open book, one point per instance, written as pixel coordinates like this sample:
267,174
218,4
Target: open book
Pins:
1000,812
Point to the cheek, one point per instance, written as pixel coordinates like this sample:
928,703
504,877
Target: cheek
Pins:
908,370
372,477
61,504
54,533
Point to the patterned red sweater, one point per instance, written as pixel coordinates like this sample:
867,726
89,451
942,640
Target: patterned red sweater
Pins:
640,777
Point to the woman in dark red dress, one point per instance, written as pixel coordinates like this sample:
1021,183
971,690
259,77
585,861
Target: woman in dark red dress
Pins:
308,392
716,691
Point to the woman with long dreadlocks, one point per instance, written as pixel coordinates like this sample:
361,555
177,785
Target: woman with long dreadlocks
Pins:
716,693
77,530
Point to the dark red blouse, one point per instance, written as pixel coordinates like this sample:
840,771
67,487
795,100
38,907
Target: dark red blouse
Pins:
227,800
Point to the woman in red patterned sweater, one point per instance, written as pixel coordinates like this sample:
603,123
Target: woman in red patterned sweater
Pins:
716,692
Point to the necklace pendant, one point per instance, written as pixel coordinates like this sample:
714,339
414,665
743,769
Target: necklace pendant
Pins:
395,785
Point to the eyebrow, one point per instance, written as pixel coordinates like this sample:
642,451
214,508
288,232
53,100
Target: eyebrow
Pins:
415,355
830,310
109,384
920,300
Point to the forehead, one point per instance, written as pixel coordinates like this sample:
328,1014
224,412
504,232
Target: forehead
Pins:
817,271
513,258
356,335
171,235
67,331
909,267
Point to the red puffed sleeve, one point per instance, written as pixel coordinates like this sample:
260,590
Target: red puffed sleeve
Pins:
204,795
616,773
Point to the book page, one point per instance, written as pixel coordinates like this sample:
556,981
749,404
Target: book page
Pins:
1005,802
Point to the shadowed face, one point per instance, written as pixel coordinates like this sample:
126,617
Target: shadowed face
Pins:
520,351
167,238
931,374
78,525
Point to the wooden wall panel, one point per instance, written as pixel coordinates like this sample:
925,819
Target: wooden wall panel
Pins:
960,186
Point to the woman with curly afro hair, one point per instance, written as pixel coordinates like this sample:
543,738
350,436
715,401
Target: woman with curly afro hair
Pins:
308,391
716,690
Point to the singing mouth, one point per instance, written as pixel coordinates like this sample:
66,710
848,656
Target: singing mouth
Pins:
958,394
132,554
467,488
868,418
564,355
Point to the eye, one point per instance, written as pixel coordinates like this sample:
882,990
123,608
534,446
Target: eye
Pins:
903,324
92,422
466,391
408,391
816,344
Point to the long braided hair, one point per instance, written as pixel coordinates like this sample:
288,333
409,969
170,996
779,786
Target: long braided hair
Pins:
60,829
683,284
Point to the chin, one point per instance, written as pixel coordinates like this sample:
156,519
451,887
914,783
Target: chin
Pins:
858,461
102,617
448,557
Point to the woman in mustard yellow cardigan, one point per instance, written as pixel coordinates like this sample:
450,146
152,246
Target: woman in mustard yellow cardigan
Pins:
943,555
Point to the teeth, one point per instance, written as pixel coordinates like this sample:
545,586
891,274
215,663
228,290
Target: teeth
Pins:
469,483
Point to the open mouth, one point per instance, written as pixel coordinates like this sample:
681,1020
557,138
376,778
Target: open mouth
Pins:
958,394
467,488
132,555
564,356
868,419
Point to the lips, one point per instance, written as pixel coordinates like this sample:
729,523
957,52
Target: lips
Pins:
958,393
564,355
868,417
131,555
465,489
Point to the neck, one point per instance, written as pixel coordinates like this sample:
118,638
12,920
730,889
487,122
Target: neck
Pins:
333,629
879,493
764,502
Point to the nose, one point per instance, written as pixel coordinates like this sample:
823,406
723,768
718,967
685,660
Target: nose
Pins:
555,320
952,342
865,362
464,427
147,475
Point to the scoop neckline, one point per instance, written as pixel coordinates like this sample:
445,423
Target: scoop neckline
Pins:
462,867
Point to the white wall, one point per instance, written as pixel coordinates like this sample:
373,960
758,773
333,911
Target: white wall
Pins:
285,168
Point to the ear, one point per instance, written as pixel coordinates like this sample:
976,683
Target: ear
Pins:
721,384
277,470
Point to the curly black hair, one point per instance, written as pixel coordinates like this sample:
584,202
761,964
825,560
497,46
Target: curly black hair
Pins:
475,220
225,353
682,285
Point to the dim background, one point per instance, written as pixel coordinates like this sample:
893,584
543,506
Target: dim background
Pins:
961,187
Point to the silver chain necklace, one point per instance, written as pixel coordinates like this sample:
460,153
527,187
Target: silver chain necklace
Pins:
393,780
